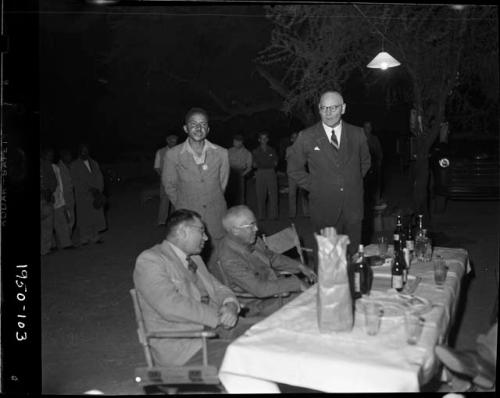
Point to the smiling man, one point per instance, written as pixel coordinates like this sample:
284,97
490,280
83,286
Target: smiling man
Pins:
337,157
195,174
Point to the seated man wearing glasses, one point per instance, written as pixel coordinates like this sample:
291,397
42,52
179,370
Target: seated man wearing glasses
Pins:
176,292
247,266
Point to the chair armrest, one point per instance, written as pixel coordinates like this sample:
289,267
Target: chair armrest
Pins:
250,295
186,334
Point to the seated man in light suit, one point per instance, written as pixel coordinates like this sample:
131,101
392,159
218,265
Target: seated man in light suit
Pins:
176,292
250,267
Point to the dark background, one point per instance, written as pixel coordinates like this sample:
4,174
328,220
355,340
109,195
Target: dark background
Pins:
122,77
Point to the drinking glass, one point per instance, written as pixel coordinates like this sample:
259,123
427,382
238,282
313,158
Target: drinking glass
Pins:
373,314
382,246
428,250
413,327
440,270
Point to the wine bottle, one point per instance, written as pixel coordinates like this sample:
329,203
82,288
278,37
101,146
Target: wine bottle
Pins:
398,231
366,272
397,268
356,280
410,240
362,274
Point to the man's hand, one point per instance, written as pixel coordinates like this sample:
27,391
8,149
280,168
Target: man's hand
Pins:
303,286
308,273
228,315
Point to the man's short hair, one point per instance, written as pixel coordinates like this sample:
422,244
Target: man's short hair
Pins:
177,218
263,133
238,137
193,111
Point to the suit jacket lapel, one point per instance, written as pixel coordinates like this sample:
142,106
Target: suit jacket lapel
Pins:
204,277
345,150
330,153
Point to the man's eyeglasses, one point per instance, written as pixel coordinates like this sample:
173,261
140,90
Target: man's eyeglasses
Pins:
331,108
251,225
193,125
201,229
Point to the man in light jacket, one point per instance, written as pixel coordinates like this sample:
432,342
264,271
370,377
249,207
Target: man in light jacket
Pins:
176,292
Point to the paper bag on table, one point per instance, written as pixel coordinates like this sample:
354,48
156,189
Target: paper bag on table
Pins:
335,310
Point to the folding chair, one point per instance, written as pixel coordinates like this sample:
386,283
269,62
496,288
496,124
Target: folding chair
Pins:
170,378
284,240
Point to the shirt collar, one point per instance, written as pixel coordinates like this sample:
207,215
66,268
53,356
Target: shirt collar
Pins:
337,129
180,253
187,148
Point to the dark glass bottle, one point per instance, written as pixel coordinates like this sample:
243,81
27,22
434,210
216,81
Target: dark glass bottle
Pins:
398,231
362,274
397,269
410,240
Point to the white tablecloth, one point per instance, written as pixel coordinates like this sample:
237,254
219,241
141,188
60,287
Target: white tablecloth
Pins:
287,347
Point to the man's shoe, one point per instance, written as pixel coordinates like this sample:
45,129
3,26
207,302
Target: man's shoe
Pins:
467,363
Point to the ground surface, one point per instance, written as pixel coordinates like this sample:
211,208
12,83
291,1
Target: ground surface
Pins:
89,338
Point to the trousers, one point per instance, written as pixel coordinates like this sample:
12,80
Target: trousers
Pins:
164,207
293,192
62,227
266,186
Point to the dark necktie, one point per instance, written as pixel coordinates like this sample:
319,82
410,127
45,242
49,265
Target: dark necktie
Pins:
204,297
334,140
191,264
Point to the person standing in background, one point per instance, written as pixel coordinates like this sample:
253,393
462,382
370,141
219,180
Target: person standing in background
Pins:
62,219
293,188
195,174
240,163
374,176
89,184
164,208
265,160
64,164
48,185
337,158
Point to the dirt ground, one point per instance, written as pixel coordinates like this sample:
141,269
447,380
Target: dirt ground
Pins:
89,338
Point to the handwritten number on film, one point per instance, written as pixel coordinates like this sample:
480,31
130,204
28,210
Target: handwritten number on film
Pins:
21,279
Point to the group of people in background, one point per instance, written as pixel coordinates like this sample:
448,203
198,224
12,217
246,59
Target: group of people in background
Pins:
326,166
71,200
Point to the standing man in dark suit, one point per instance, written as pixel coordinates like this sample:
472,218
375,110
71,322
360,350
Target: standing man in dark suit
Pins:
337,156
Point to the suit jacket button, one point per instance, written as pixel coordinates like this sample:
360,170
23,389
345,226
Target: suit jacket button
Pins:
341,189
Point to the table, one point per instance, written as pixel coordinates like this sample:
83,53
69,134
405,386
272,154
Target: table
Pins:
288,348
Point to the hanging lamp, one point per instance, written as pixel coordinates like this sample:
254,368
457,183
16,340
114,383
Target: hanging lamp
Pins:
383,60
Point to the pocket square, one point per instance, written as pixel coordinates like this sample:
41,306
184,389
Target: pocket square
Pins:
316,148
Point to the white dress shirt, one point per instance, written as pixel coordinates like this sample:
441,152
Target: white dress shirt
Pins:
337,129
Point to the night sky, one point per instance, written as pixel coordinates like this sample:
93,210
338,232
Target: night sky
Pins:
122,77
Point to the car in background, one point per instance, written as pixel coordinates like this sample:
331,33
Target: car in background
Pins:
465,169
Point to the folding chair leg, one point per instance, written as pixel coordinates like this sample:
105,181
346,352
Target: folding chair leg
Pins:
205,353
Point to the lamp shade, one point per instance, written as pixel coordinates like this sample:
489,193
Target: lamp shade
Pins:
383,60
